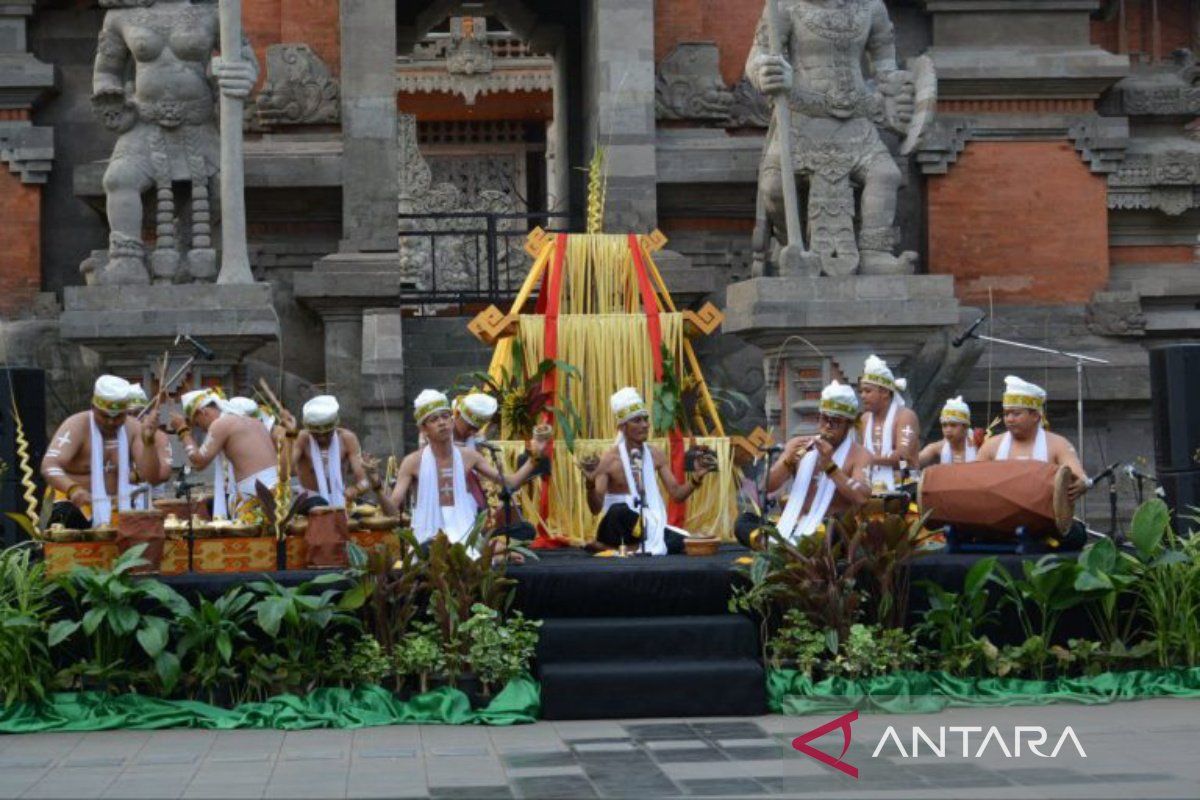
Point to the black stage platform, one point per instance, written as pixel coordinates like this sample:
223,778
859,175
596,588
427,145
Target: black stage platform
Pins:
649,637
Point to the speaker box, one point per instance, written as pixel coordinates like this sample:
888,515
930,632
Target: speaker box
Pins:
28,387
1183,496
1174,393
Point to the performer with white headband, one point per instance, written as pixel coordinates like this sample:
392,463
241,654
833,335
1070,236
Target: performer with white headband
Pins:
828,471
889,429
97,456
1026,437
955,446
472,414
623,484
439,471
229,437
323,455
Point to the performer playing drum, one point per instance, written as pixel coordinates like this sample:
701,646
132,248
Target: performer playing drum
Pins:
830,469
956,446
889,429
1026,438
325,453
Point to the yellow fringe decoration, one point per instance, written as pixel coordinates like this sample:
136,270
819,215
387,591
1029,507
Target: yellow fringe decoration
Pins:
712,509
597,189
28,487
610,352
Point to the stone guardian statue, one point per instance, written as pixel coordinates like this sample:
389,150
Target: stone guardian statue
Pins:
836,110
155,82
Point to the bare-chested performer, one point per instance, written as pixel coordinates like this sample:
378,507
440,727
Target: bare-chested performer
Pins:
830,469
232,439
98,454
138,401
623,484
1026,439
889,429
439,471
955,446
325,453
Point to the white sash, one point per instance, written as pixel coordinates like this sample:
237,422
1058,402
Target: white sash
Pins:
328,468
653,509
791,525
222,476
948,454
429,516
1040,451
886,446
101,502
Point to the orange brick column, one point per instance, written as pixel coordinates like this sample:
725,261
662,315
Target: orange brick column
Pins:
20,242
1027,221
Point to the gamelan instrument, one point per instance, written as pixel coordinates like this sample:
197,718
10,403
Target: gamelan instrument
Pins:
993,499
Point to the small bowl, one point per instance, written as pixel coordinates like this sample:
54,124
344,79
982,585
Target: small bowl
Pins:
701,545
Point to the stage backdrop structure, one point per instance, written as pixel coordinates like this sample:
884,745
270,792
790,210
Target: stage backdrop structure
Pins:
603,308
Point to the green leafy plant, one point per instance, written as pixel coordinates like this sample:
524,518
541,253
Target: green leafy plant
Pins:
797,644
27,611
498,651
870,650
384,590
1168,592
419,654
120,633
1046,589
523,399
210,633
952,621
889,542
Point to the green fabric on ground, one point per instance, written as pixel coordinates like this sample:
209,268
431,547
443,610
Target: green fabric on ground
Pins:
519,702
790,692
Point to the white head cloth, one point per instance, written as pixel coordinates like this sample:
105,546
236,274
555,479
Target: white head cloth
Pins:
477,409
1023,394
242,406
321,412
839,400
110,395
877,372
137,395
956,410
197,399
626,404
429,401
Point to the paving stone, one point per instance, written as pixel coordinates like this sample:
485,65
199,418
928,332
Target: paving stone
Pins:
387,752
471,792
24,762
94,761
604,747
1045,776
554,786
531,760
165,758
544,772
714,787
760,741
657,745
703,755
456,752
661,730
729,730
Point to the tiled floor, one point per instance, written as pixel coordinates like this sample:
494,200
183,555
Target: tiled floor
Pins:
1144,749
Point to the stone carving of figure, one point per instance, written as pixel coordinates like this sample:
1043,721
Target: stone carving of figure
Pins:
836,147
153,82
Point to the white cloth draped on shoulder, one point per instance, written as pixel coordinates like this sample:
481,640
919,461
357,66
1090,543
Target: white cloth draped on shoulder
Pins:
948,453
792,524
430,516
653,509
327,466
1040,449
102,505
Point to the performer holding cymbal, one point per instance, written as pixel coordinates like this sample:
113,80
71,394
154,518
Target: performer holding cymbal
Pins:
956,446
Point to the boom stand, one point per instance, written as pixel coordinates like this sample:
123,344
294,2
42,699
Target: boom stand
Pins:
1079,360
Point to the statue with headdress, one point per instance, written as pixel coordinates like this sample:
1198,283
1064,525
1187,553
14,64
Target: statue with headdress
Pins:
834,111
156,83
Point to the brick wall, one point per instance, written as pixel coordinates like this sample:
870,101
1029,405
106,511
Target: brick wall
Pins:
1141,37
312,22
20,242
1026,220
729,23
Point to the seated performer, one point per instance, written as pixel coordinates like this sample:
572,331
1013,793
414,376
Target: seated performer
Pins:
324,453
230,440
1026,438
623,484
956,446
162,443
830,469
889,430
246,407
439,469
100,453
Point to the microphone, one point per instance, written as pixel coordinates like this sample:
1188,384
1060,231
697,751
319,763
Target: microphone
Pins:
1107,472
968,333
1134,473
486,445
775,448
203,351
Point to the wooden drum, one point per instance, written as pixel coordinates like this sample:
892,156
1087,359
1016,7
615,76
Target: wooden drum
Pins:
143,527
997,497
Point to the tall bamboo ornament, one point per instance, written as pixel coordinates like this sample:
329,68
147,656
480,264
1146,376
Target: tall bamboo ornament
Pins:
235,261
794,259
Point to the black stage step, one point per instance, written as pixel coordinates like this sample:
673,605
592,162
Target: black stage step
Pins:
623,638
669,666
676,688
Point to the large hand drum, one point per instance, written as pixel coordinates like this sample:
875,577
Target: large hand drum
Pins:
997,497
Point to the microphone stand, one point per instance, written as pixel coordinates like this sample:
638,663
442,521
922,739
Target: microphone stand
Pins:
183,488
1079,362
505,493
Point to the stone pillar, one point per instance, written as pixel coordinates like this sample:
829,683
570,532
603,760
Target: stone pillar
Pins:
619,107
343,360
383,400
559,179
370,182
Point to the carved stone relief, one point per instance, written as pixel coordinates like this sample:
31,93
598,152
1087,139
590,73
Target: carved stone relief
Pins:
299,89
689,85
